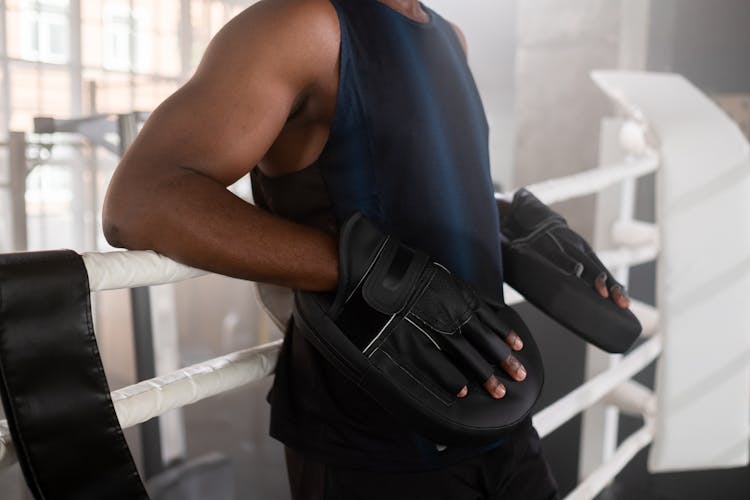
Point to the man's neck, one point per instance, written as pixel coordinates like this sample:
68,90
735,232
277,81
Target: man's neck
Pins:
409,8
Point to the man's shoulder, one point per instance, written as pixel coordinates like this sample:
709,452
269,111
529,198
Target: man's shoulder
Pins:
460,35
295,40
312,16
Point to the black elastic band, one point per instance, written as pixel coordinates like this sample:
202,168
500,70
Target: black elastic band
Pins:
55,394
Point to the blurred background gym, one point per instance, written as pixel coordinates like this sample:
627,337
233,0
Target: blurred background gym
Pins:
77,76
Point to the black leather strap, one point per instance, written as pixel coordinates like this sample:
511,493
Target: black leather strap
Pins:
55,394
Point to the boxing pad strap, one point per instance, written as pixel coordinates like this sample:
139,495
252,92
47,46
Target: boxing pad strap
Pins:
55,394
394,277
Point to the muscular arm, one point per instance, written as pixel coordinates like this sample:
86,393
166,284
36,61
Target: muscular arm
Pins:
169,191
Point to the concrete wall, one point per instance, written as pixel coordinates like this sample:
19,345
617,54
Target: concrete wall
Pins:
558,109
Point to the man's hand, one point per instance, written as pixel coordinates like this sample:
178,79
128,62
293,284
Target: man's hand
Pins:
510,364
448,329
617,292
411,334
555,269
602,283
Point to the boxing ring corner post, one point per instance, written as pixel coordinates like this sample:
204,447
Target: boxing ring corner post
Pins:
704,175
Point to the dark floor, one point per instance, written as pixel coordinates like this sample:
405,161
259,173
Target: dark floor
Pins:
236,424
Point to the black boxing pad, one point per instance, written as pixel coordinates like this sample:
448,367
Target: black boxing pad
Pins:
55,394
395,318
554,268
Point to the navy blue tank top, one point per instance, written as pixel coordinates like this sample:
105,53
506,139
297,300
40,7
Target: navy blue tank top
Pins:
408,147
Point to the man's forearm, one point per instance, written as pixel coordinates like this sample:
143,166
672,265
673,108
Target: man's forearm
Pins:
195,220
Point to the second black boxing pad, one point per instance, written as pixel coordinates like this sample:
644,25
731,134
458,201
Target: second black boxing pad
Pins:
554,268
411,335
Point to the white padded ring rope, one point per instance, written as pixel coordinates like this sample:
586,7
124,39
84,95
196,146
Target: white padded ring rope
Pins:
132,269
145,400
565,408
148,399
599,479
593,180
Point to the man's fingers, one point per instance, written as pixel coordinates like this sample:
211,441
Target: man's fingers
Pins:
487,342
514,368
467,355
616,292
464,392
620,296
514,341
600,283
491,318
495,387
593,270
432,361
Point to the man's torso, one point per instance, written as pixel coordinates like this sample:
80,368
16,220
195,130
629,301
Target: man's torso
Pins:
398,133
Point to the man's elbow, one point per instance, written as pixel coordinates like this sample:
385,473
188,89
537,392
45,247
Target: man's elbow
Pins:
120,224
112,228
113,233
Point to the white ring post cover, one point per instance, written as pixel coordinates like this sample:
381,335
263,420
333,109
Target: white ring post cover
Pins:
703,273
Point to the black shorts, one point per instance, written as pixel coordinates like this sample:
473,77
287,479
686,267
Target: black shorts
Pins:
517,471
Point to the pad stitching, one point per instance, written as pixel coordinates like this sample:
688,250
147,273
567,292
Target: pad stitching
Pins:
445,401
